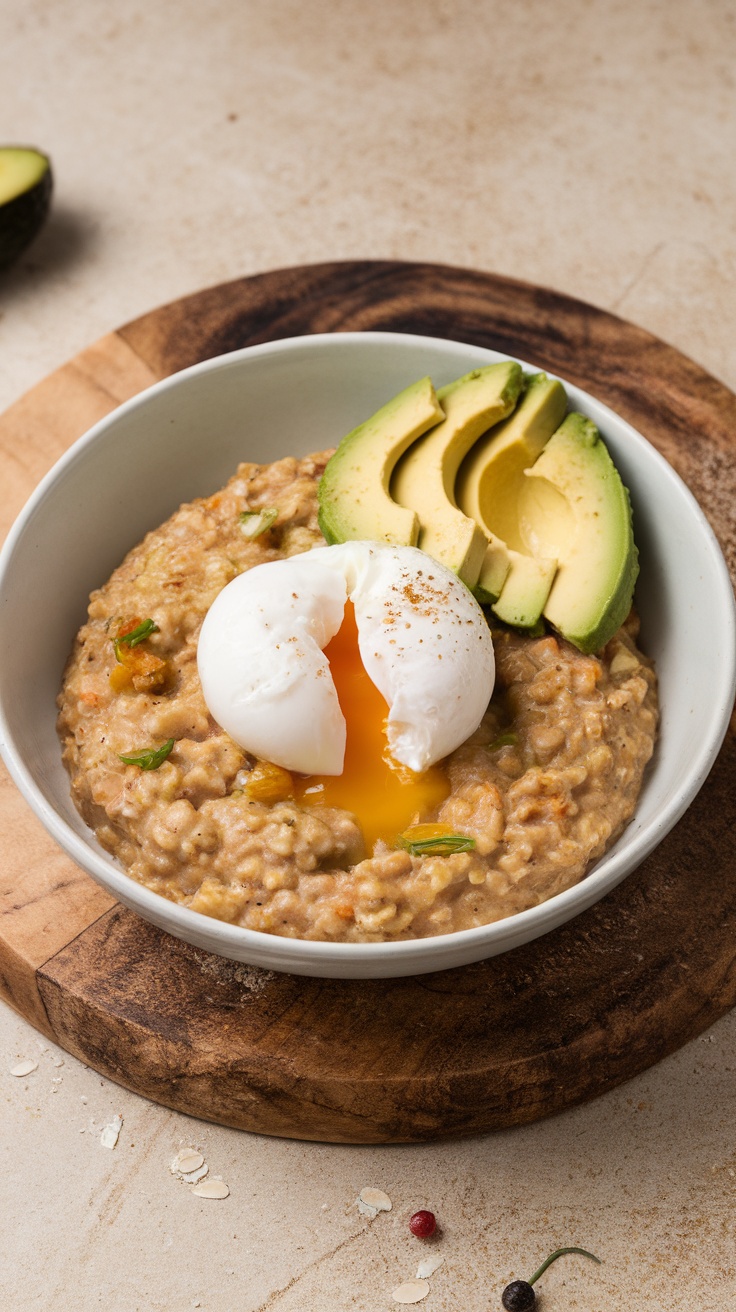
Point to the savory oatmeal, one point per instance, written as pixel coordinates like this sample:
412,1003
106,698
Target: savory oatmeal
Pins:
542,788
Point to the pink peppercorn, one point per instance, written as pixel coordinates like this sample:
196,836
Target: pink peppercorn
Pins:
423,1224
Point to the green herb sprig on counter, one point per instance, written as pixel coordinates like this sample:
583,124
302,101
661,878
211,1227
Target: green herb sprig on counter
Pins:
150,758
255,522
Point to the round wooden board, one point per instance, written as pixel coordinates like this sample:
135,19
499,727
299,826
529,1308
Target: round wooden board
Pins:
496,1044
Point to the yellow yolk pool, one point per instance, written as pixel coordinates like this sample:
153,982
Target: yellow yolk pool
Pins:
386,797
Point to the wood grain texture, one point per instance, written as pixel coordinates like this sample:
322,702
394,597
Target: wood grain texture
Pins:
496,1044
45,899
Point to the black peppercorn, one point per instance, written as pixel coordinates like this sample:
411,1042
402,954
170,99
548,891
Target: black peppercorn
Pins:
519,1295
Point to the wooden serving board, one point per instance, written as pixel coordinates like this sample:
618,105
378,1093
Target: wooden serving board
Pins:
491,1045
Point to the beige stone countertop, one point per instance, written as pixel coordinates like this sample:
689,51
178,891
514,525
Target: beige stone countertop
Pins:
582,145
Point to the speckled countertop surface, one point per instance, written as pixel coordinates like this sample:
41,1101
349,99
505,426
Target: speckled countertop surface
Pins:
587,147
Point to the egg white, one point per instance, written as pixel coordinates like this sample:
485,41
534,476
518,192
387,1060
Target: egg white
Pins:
423,640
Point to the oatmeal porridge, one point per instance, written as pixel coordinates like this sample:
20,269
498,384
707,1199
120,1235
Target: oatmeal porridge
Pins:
540,790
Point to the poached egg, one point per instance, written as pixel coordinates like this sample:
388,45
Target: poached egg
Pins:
358,666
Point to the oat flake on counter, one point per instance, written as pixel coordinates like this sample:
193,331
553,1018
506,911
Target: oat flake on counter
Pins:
194,1177
372,1201
412,1291
111,1133
211,1189
24,1068
428,1266
189,1165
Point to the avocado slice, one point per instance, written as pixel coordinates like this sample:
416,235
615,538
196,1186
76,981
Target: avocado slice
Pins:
354,500
574,507
25,196
424,479
488,486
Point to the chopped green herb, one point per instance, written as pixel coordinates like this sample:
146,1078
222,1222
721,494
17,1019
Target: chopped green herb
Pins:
439,845
503,740
150,758
136,635
255,522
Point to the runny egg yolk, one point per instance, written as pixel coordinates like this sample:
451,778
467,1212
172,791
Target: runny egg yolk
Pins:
385,796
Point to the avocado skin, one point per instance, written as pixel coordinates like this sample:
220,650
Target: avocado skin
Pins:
22,218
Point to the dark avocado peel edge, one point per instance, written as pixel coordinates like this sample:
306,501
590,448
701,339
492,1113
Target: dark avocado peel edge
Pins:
26,184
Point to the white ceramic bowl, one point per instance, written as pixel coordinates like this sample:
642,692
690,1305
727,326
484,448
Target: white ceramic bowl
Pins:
183,438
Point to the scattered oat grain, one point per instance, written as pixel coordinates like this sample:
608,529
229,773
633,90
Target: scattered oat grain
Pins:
24,1068
211,1189
372,1201
111,1133
428,1266
194,1177
186,1161
412,1291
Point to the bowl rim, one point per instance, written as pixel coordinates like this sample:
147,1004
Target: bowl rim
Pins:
522,926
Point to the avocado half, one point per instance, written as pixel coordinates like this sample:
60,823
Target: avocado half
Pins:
26,184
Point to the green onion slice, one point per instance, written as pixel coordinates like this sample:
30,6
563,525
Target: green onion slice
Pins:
503,740
440,845
136,635
255,522
150,758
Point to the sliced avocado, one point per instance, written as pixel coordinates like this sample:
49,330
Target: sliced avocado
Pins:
424,479
574,507
25,195
354,500
494,570
525,591
488,486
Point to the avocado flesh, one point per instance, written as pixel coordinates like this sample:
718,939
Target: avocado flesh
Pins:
424,479
354,500
488,487
574,507
525,591
25,196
